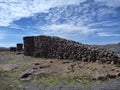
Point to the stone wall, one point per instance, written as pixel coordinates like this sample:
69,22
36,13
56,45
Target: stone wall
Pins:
19,47
29,46
13,49
54,47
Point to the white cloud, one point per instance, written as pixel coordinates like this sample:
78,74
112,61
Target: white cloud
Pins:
105,23
11,10
67,30
108,34
111,3
104,13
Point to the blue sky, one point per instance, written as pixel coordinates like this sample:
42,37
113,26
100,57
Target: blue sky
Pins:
85,21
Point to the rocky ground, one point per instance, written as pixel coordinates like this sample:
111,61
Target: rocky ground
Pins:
19,72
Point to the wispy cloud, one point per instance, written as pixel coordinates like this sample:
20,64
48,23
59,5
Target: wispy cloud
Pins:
106,23
67,28
69,31
13,10
70,19
105,34
111,3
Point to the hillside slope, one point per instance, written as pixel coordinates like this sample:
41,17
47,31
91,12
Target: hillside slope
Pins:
111,47
4,49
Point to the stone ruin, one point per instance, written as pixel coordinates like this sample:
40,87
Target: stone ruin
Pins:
19,47
13,49
55,47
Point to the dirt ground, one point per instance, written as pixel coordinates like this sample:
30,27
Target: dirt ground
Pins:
18,68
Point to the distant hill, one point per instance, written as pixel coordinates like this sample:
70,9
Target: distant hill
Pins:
111,47
3,49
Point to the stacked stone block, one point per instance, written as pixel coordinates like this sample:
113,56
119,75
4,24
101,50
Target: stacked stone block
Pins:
13,49
19,47
29,46
55,47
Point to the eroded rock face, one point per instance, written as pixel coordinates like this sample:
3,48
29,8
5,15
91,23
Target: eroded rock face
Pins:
54,47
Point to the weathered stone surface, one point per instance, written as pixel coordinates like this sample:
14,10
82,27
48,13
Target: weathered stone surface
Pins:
19,47
106,76
13,49
54,47
65,62
44,65
111,76
26,75
44,72
118,74
29,46
8,67
36,64
100,77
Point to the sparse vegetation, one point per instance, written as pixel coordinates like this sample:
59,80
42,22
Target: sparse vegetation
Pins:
117,65
81,72
5,86
55,80
72,58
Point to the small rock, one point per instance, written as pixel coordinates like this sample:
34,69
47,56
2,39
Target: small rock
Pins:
112,62
64,62
44,65
51,61
25,75
111,76
44,72
118,74
37,63
112,69
34,68
100,77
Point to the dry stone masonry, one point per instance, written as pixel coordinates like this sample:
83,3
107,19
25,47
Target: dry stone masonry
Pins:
19,47
55,47
13,49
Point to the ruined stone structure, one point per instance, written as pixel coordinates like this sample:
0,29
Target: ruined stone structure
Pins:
13,49
54,47
19,47
29,46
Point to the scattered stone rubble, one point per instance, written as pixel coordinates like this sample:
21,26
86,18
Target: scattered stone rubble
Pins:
78,69
55,47
37,69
